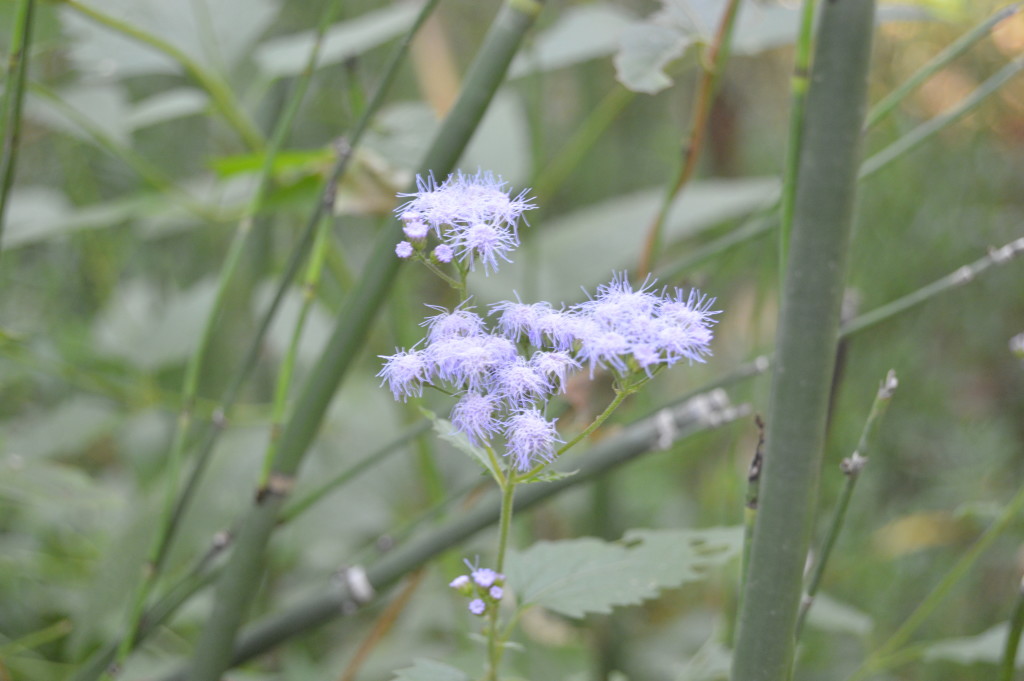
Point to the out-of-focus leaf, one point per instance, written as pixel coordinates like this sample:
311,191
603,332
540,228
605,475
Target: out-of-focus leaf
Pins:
711,663
140,326
301,161
167,106
502,141
104,105
918,531
987,646
287,56
38,485
646,49
582,248
68,428
581,576
580,33
218,34
832,615
430,670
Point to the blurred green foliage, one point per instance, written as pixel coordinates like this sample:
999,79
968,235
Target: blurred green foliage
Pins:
129,184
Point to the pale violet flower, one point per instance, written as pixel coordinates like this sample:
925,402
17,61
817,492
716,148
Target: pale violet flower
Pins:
405,372
530,439
403,249
477,606
475,217
475,416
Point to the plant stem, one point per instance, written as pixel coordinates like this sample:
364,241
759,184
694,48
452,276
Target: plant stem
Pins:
807,340
851,468
14,98
714,64
495,645
800,81
1009,663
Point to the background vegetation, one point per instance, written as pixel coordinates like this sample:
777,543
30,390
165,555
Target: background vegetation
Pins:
141,147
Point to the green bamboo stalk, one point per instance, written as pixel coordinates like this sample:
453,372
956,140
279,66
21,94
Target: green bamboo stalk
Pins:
221,95
800,81
958,47
930,128
241,577
807,341
703,413
1009,662
851,468
14,98
715,60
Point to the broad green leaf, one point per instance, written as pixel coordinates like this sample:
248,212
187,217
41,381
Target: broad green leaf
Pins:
287,56
104,107
167,106
579,34
580,576
987,646
430,670
502,141
68,428
646,49
446,431
149,330
218,34
832,615
286,161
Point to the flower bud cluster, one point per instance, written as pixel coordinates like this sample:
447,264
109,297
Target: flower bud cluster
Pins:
504,376
473,216
483,586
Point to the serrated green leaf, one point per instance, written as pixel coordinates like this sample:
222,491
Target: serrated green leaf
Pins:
581,576
430,670
446,431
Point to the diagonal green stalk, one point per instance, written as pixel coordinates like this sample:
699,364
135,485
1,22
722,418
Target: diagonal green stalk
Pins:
14,98
241,576
800,81
715,61
851,468
338,600
958,47
807,340
219,92
929,128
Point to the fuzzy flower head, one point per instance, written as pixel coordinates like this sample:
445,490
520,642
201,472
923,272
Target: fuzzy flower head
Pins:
530,439
475,217
405,372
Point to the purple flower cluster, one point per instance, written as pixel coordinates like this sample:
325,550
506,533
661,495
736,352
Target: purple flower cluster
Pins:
504,376
484,585
473,216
